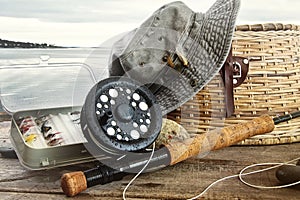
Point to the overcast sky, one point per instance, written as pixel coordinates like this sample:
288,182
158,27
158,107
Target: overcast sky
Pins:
91,22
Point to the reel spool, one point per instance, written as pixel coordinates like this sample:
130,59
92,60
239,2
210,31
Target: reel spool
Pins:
121,115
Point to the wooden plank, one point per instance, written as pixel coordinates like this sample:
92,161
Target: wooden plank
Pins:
181,181
35,196
4,129
4,116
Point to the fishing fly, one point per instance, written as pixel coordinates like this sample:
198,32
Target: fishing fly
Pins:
45,127
30,138
55,141
50,135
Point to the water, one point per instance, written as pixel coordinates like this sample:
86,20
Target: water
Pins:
11,54
15,56
31,78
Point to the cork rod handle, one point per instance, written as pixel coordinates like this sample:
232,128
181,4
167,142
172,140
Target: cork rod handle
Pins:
75,182
218,139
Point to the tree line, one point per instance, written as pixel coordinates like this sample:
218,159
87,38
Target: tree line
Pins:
13,44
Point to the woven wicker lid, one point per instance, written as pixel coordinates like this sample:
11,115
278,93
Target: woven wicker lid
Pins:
267,27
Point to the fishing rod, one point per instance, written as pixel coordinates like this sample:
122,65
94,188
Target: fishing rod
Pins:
75,182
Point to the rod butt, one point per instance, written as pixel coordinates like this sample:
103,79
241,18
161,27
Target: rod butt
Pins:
73,183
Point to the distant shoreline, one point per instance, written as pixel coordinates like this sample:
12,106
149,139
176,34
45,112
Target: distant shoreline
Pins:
26,45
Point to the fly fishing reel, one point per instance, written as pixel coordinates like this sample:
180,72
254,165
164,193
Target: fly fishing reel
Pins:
119,114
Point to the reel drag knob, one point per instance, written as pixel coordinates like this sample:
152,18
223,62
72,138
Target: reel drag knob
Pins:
121,114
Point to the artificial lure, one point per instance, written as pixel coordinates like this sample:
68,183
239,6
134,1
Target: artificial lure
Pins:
49,136
45,128
183,59
27,124
25,129
30,138
42,119
55,142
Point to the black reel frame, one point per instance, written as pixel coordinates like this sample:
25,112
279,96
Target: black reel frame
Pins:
120,115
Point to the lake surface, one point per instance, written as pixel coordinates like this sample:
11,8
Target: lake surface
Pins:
33,78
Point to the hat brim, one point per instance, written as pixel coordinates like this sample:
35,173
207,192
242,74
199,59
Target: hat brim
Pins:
205,45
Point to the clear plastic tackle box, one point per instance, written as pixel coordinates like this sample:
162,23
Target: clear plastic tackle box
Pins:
45,101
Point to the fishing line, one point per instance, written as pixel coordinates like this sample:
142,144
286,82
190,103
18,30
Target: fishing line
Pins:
241,174
141,171
211,185
276,165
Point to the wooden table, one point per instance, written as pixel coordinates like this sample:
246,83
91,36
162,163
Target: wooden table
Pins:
181,181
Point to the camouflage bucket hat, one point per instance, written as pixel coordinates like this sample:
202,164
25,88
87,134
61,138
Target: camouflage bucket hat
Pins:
176,51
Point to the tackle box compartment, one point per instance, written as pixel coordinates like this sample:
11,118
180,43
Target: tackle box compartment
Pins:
52,92
35,153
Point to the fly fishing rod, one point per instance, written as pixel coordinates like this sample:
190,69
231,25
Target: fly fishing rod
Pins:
175,152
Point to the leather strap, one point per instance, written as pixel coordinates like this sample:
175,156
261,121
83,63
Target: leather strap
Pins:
227,75
233,72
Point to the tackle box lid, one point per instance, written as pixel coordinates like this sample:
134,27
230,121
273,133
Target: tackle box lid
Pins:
44,85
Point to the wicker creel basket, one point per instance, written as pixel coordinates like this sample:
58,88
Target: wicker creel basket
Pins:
272,85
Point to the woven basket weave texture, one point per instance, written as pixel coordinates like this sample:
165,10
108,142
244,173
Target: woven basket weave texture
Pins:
272,85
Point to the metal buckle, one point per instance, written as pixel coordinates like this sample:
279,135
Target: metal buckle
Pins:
240,70
237,70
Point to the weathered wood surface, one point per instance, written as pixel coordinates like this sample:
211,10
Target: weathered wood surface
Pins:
181,181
